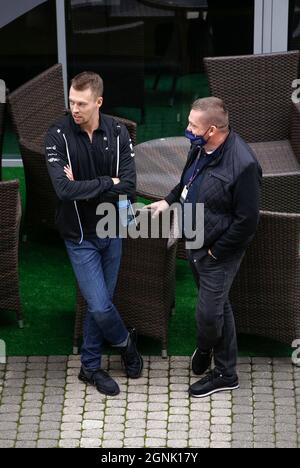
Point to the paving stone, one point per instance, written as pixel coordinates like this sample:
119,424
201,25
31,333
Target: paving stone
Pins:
71,443
92,416
242,436
264,445
90,443
286,444
241,427
199,443
177,435
221,420
28,428
156,424
9,435
26,444
70,435
219,445
161,416
51,417
92,434
264,429
50,426
7,443
264,438
25,436
155,443
226,429
241,444
221,437
92,424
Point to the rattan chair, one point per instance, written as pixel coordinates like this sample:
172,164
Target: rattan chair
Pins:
2,119
266,292
257,90
34,107
10,216
145,293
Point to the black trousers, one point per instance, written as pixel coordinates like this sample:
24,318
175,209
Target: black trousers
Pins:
215,320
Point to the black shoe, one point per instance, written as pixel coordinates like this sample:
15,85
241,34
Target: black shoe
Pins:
101,380
131,358
213,382
201,361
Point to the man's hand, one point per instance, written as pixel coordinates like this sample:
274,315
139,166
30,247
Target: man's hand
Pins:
157,208
69,173
116,180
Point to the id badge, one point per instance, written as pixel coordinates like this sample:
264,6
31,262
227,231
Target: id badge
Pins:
184,194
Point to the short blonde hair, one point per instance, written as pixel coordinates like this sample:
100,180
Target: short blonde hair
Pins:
87,80
215,111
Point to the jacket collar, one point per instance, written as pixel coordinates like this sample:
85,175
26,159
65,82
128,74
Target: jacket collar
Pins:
79,130
222,148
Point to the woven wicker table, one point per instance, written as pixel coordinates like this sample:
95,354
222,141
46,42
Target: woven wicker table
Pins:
159,165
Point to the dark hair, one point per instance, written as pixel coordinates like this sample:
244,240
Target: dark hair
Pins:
215,111
87,80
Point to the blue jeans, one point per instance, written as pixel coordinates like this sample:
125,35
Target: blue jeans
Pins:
96,265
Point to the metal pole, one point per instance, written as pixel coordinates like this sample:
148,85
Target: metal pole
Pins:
61,43
258,27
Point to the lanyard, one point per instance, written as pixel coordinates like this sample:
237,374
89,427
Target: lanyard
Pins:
195,172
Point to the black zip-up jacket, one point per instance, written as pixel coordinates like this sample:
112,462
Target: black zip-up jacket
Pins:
66,144
230,191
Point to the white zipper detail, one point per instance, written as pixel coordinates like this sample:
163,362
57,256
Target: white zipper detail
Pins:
118,155
75,203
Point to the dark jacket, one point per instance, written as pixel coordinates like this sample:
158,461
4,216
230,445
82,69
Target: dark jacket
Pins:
230,192
93,183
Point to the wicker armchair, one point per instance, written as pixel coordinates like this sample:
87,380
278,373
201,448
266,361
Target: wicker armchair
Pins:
2,115
34,107
145,293
266,292
10,216
257,91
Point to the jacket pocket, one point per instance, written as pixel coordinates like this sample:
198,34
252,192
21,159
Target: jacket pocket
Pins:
220,177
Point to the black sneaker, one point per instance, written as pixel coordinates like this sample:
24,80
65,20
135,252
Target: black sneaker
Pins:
213,382
201,361
131,358
101,380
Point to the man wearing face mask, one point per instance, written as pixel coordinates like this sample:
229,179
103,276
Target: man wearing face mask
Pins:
222,173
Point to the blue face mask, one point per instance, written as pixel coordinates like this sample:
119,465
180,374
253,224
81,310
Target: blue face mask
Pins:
198,140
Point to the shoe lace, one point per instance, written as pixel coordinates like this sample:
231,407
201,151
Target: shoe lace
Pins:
210,376
99,374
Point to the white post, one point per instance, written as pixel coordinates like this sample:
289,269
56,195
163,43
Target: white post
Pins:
2,92
280,25
61,43
271,26
258,26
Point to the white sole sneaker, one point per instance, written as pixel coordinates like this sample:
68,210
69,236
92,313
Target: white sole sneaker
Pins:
216,390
